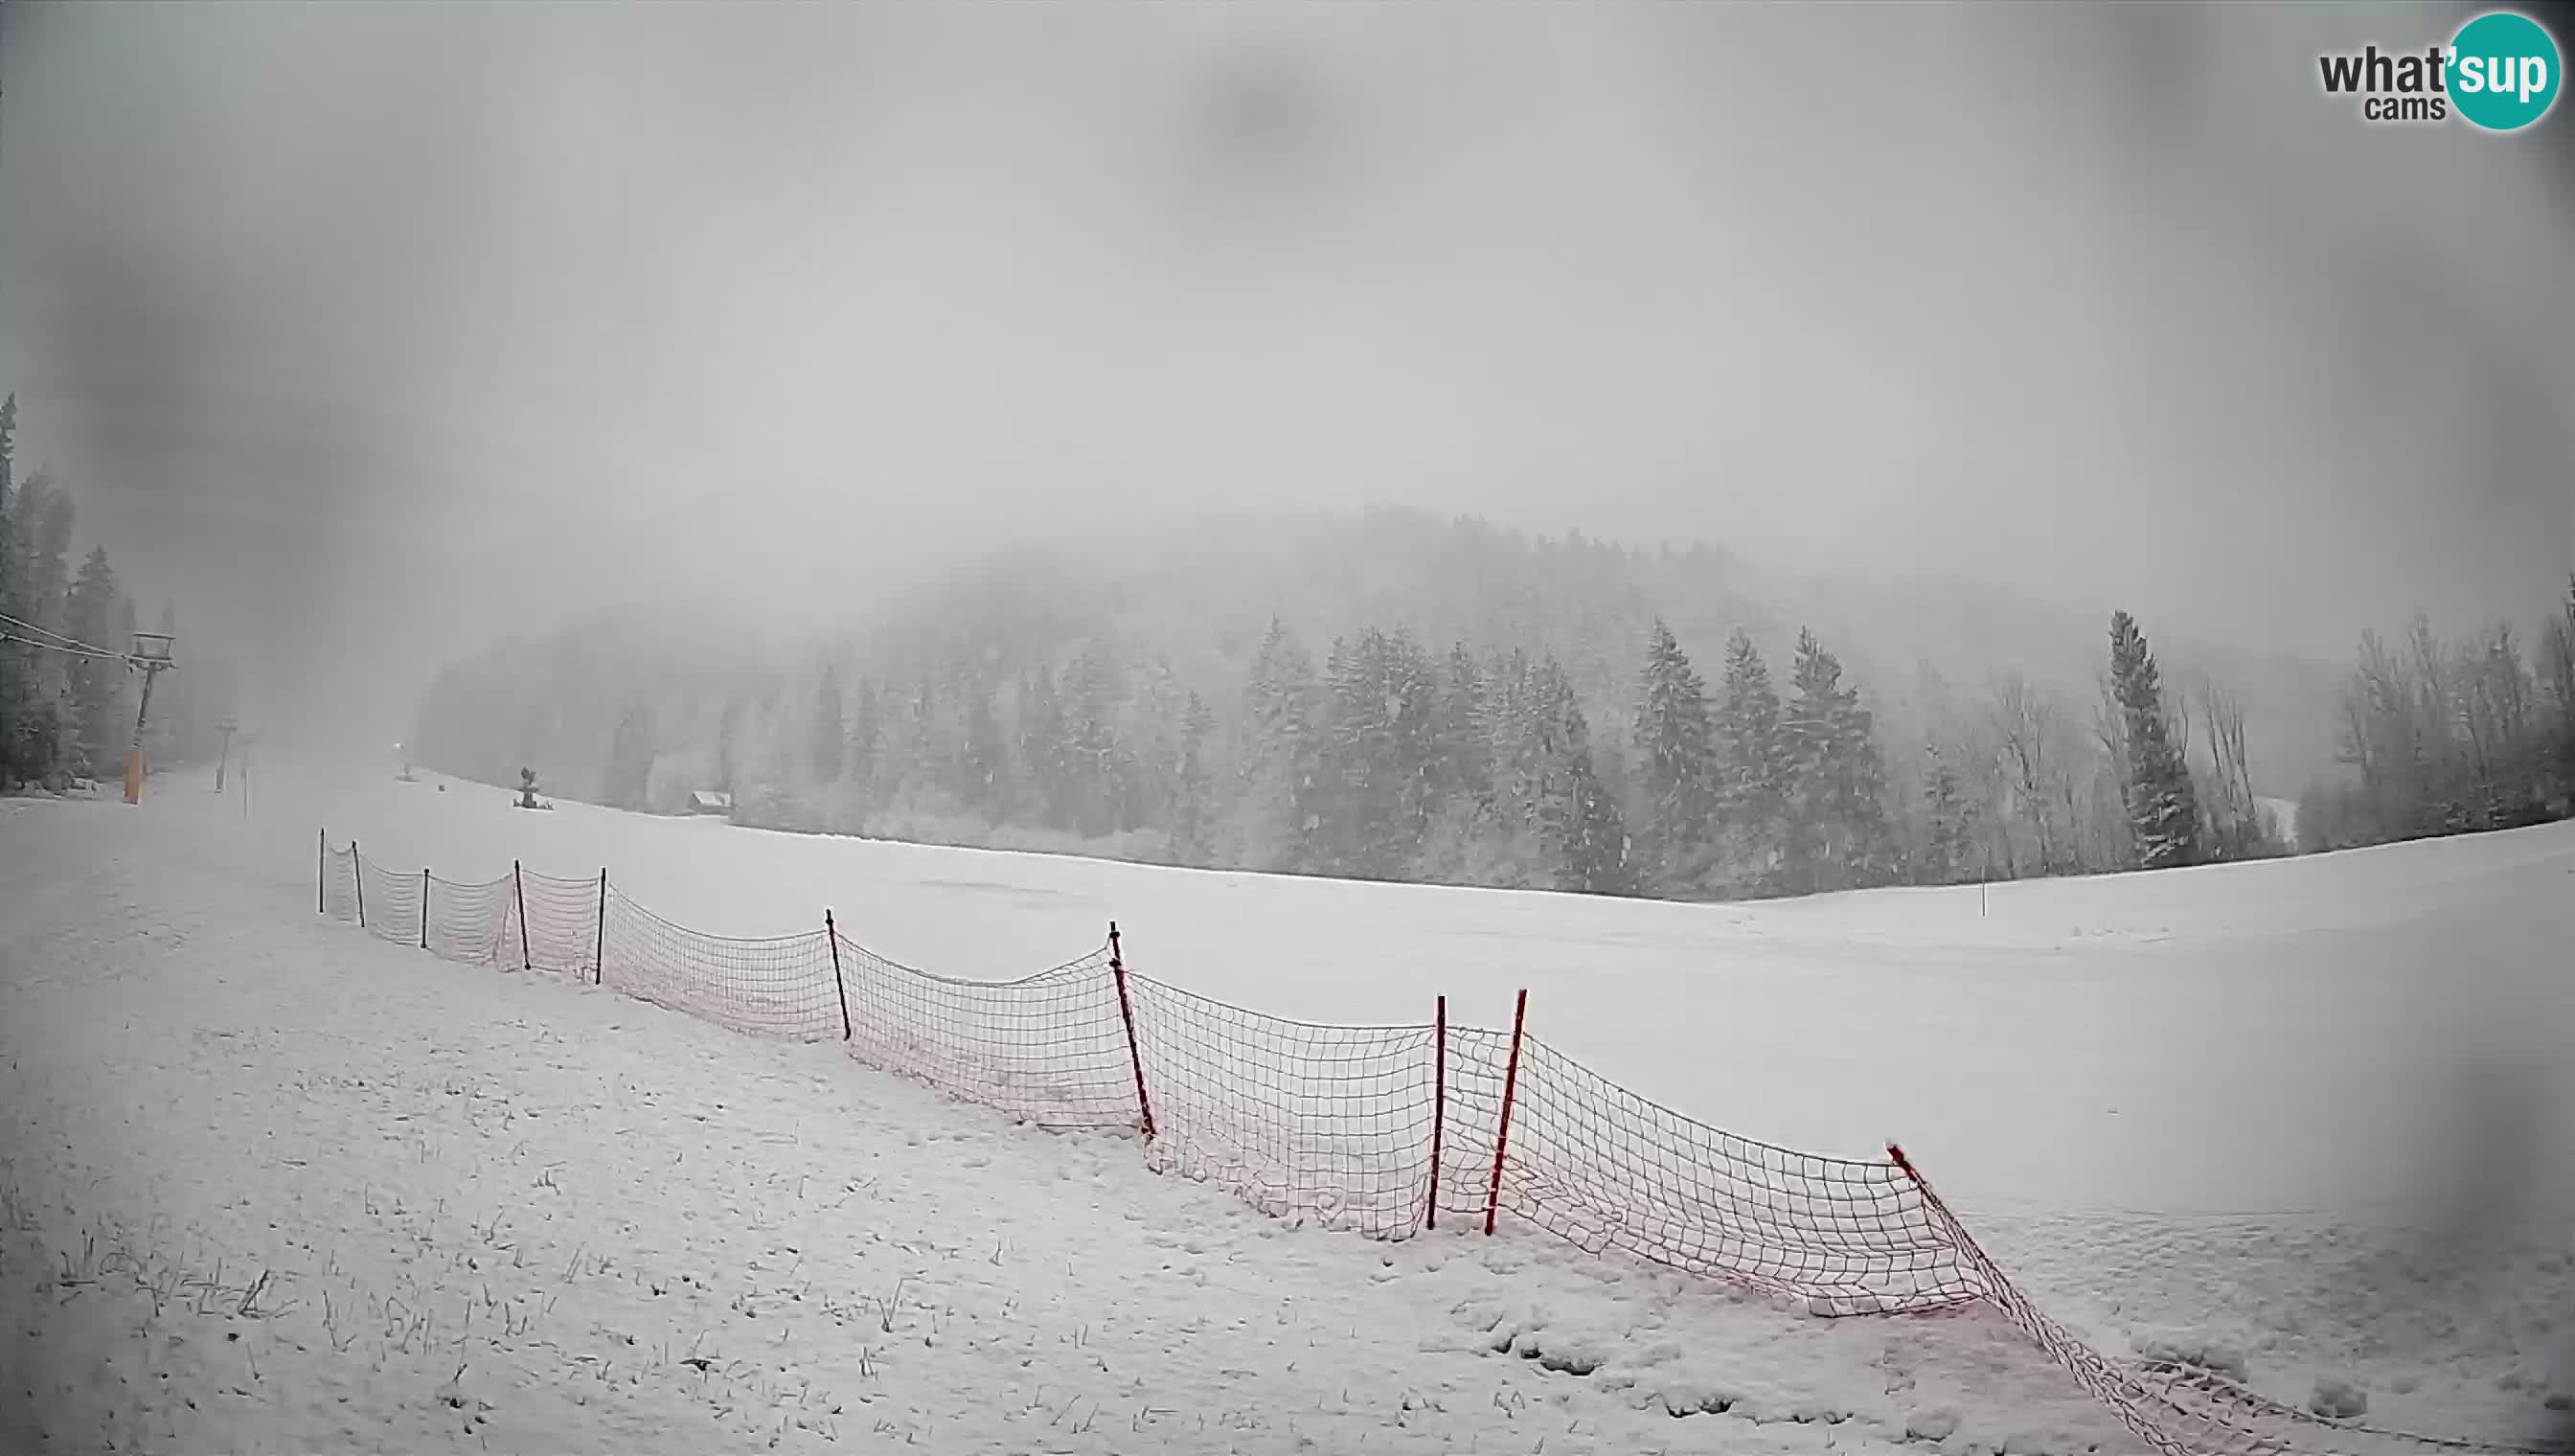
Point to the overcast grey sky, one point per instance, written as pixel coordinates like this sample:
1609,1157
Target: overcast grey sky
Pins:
366,329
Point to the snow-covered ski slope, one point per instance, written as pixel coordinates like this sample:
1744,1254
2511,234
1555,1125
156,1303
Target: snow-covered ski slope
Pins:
2308,1111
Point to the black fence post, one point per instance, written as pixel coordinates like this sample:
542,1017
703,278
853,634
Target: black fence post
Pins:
599,955
1439,1108
519,892
423,907
358,878
1511,1087
1127,1013
322,874
840,987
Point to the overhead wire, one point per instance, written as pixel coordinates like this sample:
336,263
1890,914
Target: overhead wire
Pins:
61,643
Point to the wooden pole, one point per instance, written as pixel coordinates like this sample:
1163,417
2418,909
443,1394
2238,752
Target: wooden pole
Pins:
358,878
519,889
599,955
322,872
831,932
1511,1088
423,907
1439,1108
1127,1013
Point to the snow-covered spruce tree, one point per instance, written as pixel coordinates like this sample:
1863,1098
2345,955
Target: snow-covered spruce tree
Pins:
1946,833
627,780
1037,730
1752,771
1413,690
866,738
907,755
1279,757
1463,822
1809,842
1096,767
97,684
985,765
1462,733
776,752
1836,802
1582,834
827,746
1675,770
1375,755
48,719
728,766
2164,805
1192,798
1339,792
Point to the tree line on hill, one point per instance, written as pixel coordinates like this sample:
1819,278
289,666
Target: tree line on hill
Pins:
2445,738
62,714
1385,759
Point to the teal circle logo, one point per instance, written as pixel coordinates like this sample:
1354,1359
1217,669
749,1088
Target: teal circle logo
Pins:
2504,71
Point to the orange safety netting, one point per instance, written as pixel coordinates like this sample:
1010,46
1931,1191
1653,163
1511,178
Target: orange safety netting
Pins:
1381,1131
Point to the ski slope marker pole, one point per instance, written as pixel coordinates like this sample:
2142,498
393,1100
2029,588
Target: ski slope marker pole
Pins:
357,878
599,955
423,907
321,873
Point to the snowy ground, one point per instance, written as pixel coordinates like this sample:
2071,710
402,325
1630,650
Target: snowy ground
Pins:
631,1231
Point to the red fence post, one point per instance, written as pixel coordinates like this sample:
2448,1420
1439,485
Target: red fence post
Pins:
423,907
1127,1013
1439,1108
831,932
519,892
357,878
320,874
1511,1088
599,952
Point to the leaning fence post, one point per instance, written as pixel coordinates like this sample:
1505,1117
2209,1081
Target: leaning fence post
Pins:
1511,1088
599,951
831,932
357,878
519,892
321,873
1127,1013
1439,1108
423,907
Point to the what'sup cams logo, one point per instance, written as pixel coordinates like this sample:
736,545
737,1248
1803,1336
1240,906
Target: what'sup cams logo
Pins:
2500,73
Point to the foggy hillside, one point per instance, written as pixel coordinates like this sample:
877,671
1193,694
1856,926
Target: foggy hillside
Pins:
371,335
1123,697
1200,596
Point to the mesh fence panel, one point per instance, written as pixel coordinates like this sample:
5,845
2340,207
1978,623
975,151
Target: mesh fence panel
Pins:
551,924
393,903
1477,1060
466,922
1050,1048
340,884
776,986
1321,1124
1603,1168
